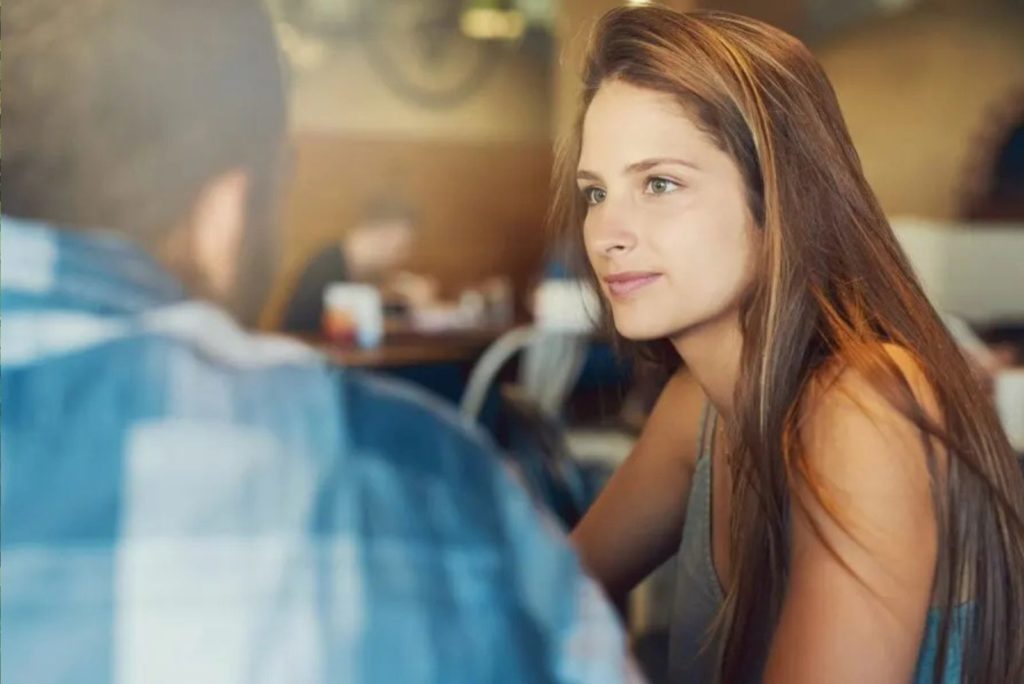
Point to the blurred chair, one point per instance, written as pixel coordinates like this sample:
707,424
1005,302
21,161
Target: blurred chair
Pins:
536,443
551,365
529,425
552,353
553,348
565,468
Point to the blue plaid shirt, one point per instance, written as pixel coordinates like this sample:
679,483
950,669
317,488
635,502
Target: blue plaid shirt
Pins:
183,501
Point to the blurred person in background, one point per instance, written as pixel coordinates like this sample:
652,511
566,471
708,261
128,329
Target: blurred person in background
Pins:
371,251
184,501
845,505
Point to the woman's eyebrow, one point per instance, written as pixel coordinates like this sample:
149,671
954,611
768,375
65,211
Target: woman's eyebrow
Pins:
637,167
647,164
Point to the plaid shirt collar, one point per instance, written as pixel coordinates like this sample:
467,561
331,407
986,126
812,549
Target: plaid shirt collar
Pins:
82,270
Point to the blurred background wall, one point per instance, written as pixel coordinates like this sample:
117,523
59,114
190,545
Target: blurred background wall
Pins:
930,97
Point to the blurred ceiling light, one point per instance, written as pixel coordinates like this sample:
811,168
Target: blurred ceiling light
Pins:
486,23
895,5
638,3
304,52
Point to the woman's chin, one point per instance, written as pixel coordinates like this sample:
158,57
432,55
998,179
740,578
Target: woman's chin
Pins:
640,331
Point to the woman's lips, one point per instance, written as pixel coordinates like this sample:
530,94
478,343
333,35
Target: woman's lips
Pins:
621,284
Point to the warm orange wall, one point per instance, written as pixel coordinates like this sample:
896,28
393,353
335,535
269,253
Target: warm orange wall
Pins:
481,204
921,93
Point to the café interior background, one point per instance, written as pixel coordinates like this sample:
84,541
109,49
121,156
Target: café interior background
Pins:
453,108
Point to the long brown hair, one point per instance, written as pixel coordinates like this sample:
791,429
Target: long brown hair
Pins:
833,285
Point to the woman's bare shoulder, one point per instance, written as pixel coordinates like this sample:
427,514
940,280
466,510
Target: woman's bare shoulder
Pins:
673,427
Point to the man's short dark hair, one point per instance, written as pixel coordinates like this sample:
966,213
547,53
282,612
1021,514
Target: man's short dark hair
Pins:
116,113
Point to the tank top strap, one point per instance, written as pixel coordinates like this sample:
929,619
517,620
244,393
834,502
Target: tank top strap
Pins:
706,436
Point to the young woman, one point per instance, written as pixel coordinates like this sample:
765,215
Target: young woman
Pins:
853,512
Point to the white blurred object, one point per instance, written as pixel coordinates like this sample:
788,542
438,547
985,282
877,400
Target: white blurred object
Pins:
975,270
969,342
357,308
608,447
1009,391
469,312
441,317
565,313
565,305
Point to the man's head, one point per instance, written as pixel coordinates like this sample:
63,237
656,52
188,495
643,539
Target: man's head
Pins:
162,120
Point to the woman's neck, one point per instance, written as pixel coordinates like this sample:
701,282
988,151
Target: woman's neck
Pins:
712,352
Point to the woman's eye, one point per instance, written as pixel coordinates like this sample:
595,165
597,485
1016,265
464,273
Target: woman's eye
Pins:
660,186
594,195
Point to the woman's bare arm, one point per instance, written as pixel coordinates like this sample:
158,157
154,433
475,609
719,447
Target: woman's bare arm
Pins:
636,523
859,588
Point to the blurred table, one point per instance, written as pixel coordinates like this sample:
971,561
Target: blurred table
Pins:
440,362
403,347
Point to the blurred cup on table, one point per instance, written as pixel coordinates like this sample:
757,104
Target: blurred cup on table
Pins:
353,314
1009,395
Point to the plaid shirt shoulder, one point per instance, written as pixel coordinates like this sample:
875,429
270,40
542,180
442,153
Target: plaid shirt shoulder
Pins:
184,501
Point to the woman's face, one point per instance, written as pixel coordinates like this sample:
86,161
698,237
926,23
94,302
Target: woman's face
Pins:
668,231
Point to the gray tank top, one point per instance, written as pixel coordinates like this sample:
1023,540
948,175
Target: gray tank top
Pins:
693,654
698,593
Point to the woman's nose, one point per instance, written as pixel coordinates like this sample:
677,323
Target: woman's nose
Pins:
611,232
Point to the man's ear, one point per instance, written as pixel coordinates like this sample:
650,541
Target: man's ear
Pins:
218,222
